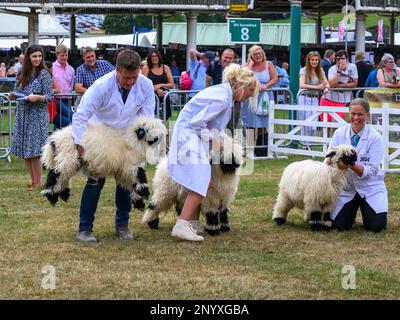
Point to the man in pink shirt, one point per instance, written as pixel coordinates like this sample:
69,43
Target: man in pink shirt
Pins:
63,74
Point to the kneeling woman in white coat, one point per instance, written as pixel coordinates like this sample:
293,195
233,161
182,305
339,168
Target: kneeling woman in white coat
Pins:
199,125
365,187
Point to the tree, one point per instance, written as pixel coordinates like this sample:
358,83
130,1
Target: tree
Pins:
123,24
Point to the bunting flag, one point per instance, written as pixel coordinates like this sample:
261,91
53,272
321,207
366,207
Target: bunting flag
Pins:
134,33
341,31
380,31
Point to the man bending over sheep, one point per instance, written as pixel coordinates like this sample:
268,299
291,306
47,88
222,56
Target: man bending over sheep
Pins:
114,100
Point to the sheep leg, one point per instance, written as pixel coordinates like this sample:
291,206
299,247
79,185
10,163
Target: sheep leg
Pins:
151,216
281,209
137,201
178,210
223,219
327,222
51,182
315,221
212,223
142,188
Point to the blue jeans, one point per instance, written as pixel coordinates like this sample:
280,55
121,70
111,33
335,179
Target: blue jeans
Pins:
64,114
90,198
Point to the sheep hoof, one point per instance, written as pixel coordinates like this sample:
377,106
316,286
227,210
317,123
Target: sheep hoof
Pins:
53,198
225,228
315,225
139,204
213,232
64,195
153,224
279,221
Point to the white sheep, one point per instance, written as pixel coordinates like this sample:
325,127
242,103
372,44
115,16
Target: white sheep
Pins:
108,151
314,187
225,171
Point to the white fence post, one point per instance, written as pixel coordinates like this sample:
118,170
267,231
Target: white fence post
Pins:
385,136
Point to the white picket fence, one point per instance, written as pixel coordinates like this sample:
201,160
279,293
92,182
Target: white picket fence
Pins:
288,143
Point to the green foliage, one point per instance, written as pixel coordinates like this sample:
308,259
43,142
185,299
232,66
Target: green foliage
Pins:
123,24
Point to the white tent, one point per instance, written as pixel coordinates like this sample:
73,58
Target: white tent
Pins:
14,26
145,40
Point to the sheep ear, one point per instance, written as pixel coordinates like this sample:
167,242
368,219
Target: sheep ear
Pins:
331,154
140,133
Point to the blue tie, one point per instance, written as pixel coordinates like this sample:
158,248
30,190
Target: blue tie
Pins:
356,138
125,94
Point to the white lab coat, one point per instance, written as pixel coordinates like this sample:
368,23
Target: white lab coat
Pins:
203,118
370,185
103,103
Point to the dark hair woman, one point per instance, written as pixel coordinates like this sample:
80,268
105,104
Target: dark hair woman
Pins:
34,90
161,76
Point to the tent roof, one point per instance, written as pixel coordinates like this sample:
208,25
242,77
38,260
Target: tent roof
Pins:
216,34
208,34
13,25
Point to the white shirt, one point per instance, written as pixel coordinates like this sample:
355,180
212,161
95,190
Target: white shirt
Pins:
342,96
204,117
102,102
370,185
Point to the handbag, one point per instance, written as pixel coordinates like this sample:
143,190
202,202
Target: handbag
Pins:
263,105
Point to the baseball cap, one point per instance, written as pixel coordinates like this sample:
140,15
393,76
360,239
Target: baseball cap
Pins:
209,55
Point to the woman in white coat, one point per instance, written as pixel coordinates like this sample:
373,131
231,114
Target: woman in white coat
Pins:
200,124
365,187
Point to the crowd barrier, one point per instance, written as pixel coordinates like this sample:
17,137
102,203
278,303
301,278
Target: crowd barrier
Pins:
278,141
286,128
6,126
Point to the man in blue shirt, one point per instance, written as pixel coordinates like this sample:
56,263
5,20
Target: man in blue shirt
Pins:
198,68
90,70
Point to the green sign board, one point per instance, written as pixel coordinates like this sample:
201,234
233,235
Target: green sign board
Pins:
244,30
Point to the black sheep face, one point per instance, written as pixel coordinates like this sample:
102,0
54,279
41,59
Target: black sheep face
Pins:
349,159
143,134
229,167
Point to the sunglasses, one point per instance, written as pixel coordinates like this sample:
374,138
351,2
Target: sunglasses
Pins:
313,52
342,58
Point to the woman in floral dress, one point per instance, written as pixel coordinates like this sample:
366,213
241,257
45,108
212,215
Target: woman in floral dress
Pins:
34,91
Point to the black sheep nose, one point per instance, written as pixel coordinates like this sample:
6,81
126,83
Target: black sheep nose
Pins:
152,141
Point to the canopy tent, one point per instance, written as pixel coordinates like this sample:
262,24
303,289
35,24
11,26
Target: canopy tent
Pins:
145,40
15,26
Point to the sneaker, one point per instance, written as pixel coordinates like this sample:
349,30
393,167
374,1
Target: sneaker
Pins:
183,230
86,236
123,232
196,225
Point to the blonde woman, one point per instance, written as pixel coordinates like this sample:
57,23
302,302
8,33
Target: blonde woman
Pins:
199,125
312,79
256,125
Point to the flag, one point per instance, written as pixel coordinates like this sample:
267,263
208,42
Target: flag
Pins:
341,31
134,33
380,31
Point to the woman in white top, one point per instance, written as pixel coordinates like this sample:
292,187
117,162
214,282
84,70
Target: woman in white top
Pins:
201,123
365,188
388,76
312,79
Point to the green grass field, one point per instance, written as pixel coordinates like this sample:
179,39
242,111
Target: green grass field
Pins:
256,260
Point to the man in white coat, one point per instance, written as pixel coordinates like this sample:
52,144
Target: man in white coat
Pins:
115,100
365,188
